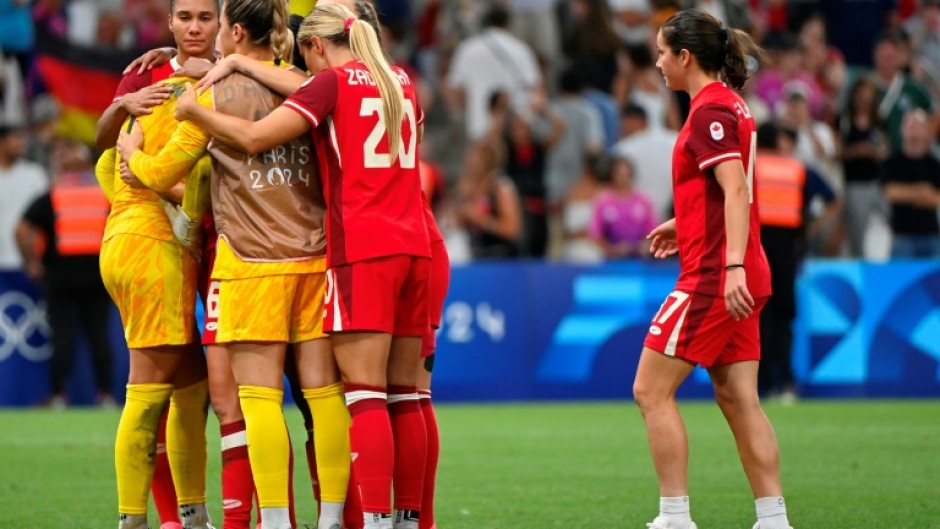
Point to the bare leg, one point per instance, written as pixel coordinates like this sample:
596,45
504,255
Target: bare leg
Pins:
654,389
736,393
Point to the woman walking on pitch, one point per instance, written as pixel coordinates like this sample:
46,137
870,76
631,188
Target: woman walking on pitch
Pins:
712,317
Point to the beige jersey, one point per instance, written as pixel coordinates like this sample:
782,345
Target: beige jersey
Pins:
268,207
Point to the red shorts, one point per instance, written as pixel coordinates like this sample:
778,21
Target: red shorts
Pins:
208,289
386,294
437,292
699,329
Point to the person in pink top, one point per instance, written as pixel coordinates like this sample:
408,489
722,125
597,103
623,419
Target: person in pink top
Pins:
622,215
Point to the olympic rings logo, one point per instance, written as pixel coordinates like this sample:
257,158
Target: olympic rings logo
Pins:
23,327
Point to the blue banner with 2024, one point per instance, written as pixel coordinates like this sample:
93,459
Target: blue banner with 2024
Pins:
536,330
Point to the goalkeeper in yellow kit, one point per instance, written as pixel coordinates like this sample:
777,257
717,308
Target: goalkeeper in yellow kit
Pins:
152,280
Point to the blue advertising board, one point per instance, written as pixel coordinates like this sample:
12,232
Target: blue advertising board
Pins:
536,330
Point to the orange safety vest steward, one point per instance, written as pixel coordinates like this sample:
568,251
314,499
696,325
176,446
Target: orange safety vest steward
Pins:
81,211
780,184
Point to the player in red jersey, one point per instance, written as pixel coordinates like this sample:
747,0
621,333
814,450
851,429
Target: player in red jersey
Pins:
712,317
377,299
437,292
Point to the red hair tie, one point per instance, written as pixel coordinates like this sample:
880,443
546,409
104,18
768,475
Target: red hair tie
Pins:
348,25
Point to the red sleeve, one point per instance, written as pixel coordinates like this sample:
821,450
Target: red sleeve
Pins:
714,136
316,99
133,82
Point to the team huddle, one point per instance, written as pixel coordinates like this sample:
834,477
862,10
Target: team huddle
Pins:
292,205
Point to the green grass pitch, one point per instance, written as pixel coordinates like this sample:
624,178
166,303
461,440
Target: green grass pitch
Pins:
851,464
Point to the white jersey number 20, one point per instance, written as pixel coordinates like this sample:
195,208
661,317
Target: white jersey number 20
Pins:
406,153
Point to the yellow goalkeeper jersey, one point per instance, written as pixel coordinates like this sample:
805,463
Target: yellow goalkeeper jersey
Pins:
137,211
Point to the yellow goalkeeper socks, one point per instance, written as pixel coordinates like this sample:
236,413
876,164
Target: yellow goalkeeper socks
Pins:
136,444
331,438
186,442
268,444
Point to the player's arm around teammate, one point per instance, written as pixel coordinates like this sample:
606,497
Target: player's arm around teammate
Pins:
377,295
281,192
712,317
194,24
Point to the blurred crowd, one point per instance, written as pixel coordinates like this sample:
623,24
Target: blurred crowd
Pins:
550,130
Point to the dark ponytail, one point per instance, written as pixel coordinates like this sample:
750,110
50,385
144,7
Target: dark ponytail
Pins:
730,53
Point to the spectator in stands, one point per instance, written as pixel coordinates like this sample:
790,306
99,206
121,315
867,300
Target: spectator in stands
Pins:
898,92
864,149
632,20
623,216
851,25
16,31
824,63
583,136
732,13
150,25
487,63
787,72
536,23
488,204
816,141
529,135
59,237
12,93
648,148
20,183
785,188
924,29
912,187
578,211
45,120
591,45
50,17
647,89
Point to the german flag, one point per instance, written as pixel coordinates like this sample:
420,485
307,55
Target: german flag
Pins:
82,79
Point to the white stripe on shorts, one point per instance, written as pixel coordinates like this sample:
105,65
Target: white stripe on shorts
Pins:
333,291
674,337
401,397
353,397
235,440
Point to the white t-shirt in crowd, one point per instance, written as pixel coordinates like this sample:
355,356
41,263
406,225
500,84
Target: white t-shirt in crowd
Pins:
492,61
20,185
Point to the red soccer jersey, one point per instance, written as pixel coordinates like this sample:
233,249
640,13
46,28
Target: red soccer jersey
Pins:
374,207
434,232
132,82
719,128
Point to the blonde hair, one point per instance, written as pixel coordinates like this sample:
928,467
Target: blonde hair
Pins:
329,22
266,21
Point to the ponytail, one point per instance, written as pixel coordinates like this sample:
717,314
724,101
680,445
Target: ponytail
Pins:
267,23
364,44
282,38
337,24
730,53
741,50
